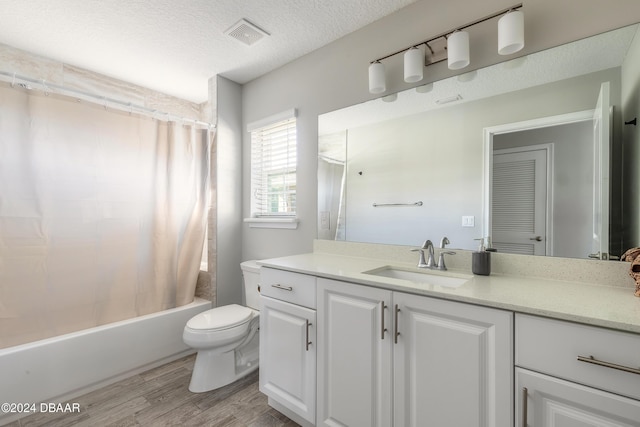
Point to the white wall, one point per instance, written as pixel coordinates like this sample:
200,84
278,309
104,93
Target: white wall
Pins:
335,76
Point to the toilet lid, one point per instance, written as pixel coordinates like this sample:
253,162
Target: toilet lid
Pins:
223,317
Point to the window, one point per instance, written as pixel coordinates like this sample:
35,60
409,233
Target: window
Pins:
273,169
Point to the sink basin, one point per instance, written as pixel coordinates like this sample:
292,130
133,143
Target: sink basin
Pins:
428,277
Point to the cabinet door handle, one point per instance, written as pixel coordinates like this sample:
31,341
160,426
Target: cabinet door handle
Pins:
383,307
308,343
595,361
525,403
395,324
284,288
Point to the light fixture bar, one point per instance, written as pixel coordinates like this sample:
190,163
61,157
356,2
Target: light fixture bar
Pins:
470,24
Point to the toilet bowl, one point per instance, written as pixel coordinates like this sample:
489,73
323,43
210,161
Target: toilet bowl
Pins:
226,338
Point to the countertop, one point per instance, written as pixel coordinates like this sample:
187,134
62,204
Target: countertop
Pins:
593,304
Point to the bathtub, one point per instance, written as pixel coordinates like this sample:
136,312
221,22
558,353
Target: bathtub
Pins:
61,368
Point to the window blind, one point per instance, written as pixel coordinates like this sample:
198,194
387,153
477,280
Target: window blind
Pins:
273,169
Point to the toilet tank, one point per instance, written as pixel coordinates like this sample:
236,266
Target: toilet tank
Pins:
251,279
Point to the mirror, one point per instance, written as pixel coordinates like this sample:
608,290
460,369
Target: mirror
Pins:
421,164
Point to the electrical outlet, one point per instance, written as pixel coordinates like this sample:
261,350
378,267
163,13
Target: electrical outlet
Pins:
468,221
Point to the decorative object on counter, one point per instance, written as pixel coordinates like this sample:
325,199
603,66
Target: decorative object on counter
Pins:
452,46
633,256
481,260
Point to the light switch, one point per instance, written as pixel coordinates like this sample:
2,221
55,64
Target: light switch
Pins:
325,217
468,221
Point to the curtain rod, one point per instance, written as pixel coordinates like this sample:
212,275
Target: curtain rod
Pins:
25,82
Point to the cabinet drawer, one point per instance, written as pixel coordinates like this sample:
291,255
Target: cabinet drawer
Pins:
295,288
554,347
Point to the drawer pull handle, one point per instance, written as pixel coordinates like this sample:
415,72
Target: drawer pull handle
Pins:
284,288
396,332
308,343
595,361
383,307
525,404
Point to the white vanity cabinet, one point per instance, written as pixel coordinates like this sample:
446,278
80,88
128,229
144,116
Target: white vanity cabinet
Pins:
288,343
573,375
389,358
354,355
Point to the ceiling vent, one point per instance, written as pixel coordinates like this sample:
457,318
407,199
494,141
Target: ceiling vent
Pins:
245,32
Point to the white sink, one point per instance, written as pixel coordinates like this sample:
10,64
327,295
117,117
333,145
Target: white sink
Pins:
427,277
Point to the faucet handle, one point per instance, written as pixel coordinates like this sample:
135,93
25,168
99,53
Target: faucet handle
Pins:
441,265
421,262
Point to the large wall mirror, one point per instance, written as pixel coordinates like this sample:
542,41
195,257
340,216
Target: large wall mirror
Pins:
533,152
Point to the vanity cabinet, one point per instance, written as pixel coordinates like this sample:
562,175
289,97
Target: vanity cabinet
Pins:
288,343
390,358
573,375
354,355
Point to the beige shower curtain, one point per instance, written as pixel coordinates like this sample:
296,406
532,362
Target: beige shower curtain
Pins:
102,214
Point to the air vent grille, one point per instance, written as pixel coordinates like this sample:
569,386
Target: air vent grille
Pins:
246,32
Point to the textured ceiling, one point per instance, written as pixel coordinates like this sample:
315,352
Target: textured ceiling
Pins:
175,46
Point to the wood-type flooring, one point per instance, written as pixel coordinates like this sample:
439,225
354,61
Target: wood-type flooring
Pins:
160,397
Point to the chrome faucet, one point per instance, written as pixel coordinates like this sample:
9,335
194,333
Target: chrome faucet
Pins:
430,261
445,241
441,265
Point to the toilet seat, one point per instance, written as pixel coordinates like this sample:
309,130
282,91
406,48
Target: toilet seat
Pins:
220,318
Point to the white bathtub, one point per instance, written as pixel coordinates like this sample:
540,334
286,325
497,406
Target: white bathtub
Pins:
60,368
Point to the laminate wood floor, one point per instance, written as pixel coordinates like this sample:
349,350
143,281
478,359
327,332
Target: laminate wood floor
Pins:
160,397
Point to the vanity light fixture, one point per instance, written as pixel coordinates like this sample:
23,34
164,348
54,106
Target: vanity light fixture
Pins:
511,32
510,40
390,98
377,78
413,65
458,47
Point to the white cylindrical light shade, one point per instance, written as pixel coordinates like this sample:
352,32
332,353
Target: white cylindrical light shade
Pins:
511,33
458,50
377,78
413,65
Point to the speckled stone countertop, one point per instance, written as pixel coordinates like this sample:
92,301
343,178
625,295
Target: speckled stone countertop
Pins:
594,304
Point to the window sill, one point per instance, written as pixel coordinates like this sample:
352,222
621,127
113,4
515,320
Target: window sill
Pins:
290,223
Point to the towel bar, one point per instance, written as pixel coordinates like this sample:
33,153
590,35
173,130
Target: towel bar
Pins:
378,205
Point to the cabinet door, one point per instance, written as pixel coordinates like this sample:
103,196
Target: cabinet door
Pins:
551,402
354,355
288,356
452,364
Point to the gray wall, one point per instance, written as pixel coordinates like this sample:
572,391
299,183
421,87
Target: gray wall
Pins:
437,157
335,76
228,186
631,147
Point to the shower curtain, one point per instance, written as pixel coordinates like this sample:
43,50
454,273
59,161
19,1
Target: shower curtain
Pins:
102,214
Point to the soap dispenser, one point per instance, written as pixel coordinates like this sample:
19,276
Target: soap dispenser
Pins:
481,260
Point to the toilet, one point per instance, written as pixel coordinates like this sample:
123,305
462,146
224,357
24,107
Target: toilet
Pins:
226,338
